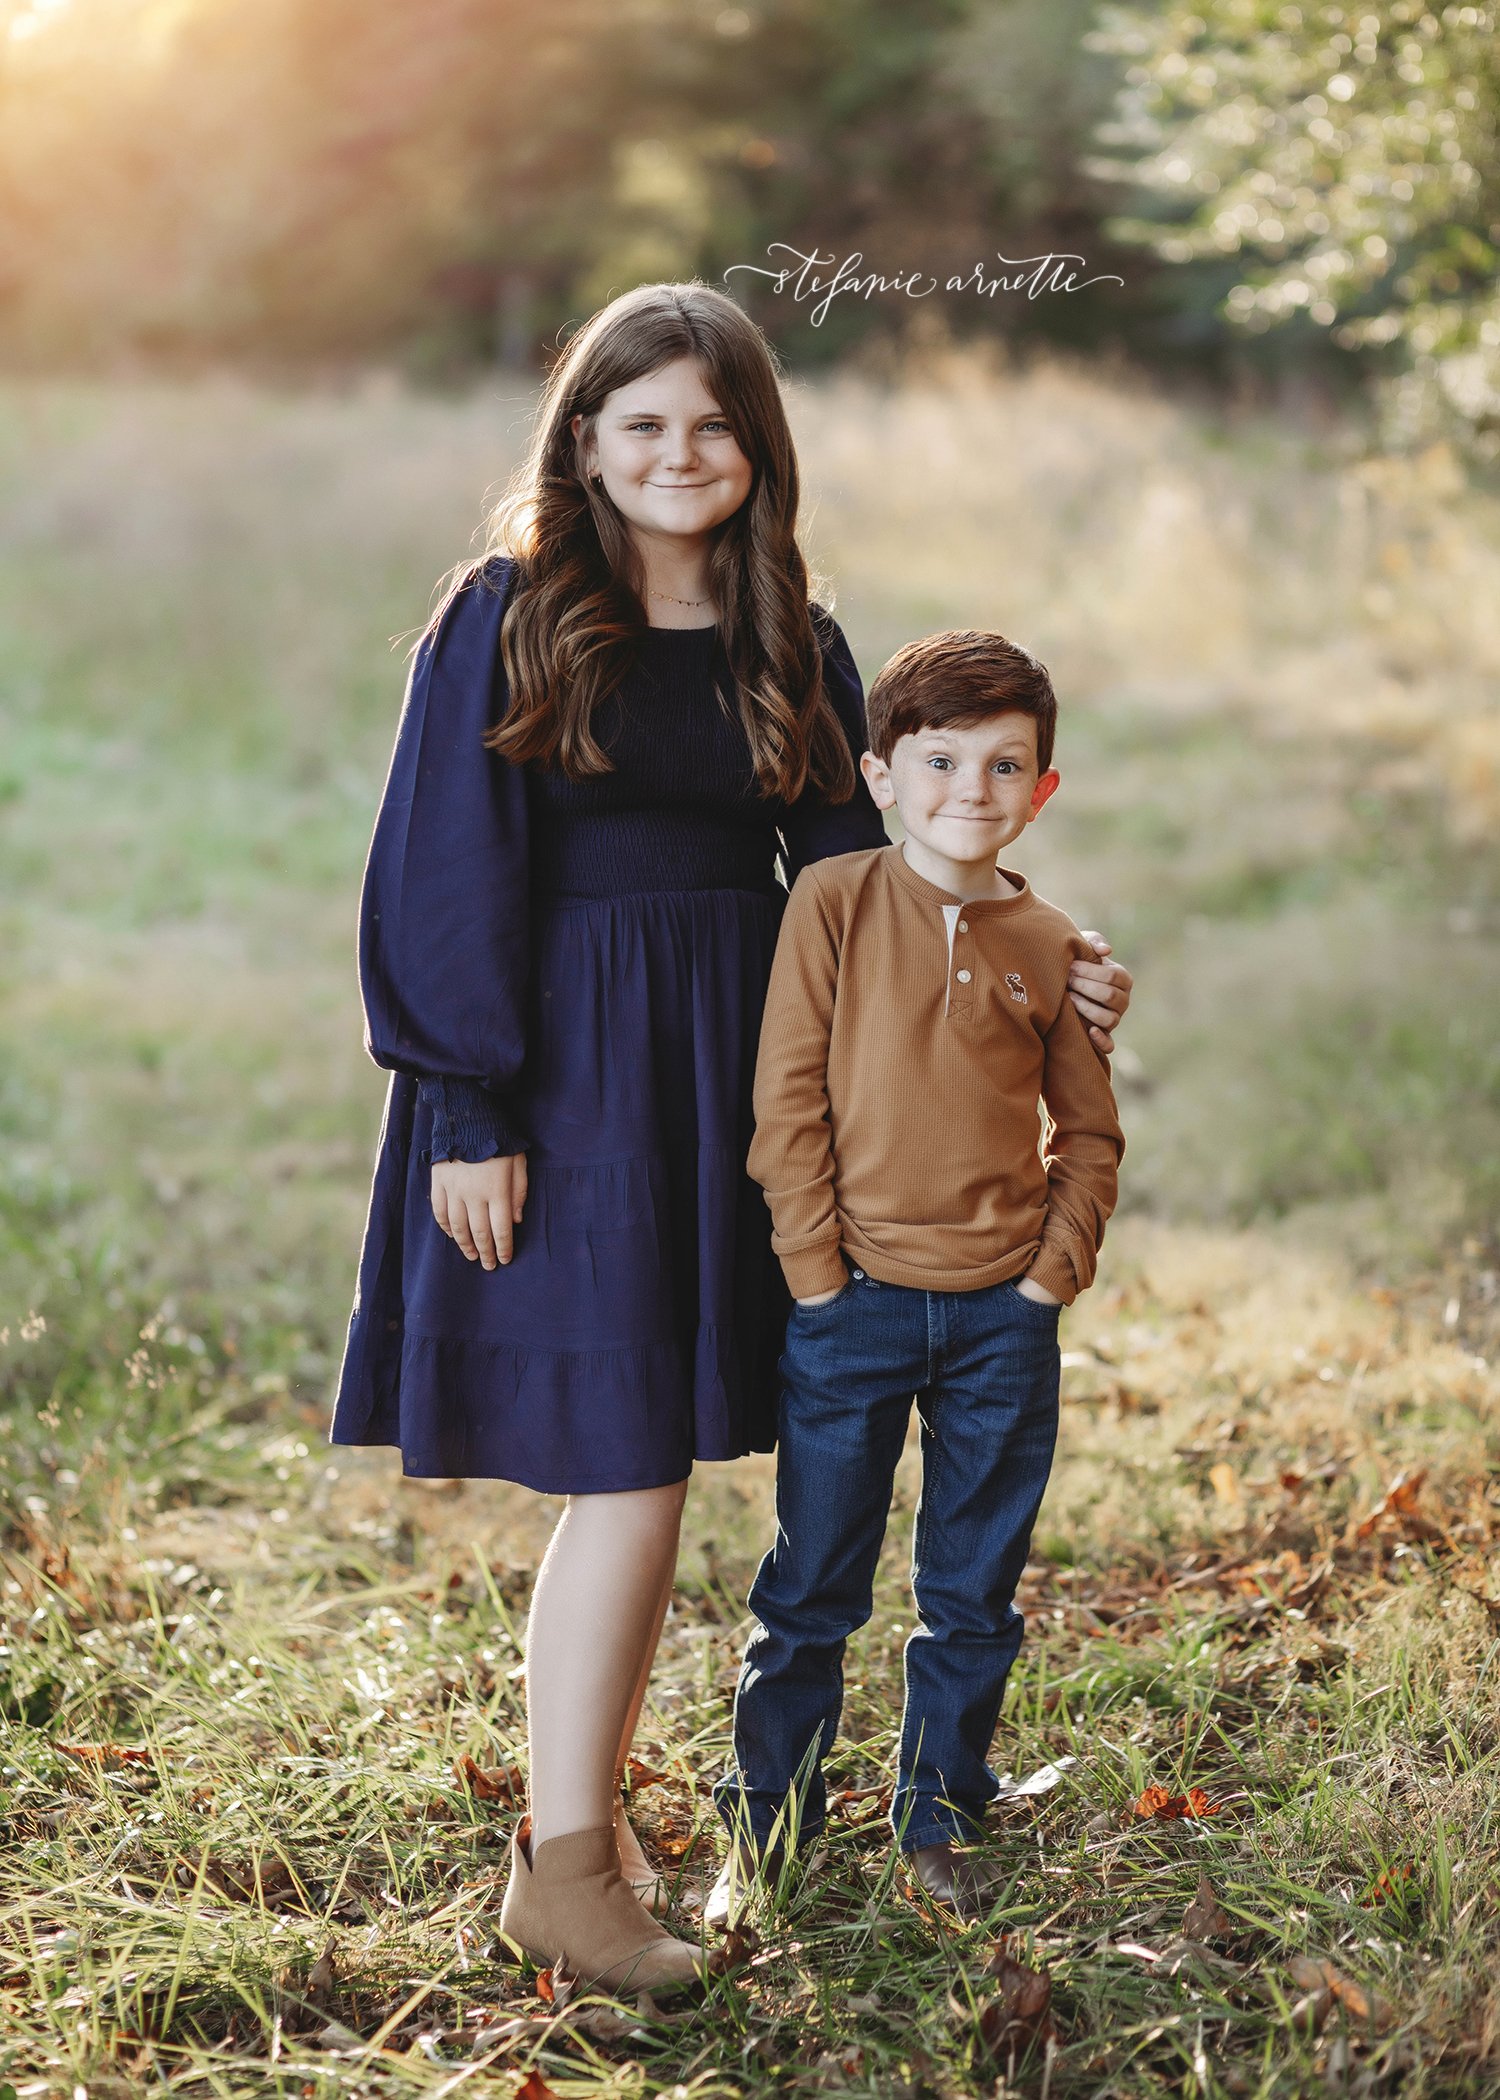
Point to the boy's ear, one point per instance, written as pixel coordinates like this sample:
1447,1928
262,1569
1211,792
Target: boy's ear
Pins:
1046,787
878,779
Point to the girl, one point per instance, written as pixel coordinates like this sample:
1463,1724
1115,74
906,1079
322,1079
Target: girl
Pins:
614,723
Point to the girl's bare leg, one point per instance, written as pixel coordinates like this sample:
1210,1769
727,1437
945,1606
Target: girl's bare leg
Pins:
634,1865
596,1614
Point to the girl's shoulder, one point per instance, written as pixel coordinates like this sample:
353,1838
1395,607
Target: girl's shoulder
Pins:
495,574
830,636
470,596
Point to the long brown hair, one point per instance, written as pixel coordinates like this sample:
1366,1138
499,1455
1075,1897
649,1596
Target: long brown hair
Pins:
576,615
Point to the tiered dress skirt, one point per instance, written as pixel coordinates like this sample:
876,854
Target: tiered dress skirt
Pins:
639,1323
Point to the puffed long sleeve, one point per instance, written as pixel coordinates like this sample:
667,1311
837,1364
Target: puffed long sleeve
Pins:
443,934
813,829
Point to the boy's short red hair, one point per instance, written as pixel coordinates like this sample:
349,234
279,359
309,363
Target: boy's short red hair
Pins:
955,680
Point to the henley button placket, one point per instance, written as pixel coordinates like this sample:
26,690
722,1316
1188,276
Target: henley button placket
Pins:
955,925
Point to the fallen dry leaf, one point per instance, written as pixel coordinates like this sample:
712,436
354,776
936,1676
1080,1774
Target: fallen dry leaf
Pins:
1020,2012
1166,1807
534,2087
1205,1917
269,1882
497,2034
640,1776
1399,1500
1312,2008
1225,1482
857,1804
1181,1954
740,1944
1301,1594
1392,1884
677,1840
321,1978
840,2064
555,1986
1325,1986
337,2039
496,1783
104,1753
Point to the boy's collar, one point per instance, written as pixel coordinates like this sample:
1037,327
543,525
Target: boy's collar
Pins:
930,893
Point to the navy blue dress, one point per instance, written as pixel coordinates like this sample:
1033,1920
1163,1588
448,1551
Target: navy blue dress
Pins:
577,970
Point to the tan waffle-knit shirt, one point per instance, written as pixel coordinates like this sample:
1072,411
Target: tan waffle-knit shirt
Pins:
908,1040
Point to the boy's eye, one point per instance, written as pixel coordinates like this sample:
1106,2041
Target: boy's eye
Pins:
1002,765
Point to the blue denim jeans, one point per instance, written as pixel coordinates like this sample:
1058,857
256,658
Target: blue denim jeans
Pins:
983,1367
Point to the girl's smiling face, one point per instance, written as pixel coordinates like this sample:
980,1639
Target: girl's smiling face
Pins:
667,456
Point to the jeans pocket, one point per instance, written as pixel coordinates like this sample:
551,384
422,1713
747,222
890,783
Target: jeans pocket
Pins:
1033,1305
812,1312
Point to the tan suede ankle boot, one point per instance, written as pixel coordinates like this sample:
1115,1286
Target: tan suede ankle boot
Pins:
569,1903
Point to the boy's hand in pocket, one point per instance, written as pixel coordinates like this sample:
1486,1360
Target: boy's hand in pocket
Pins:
1037,1291
478,1203
824,1297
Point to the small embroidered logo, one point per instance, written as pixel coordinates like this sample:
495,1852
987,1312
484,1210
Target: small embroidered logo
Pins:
1017,989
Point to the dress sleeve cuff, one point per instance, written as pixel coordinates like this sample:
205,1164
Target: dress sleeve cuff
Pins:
814,1270
469,1121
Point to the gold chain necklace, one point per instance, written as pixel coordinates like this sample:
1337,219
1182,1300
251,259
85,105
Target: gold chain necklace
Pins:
670,600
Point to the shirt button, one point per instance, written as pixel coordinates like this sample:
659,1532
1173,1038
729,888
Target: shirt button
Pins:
963,976
963,925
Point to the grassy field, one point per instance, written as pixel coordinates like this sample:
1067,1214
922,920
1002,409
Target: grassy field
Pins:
238,1670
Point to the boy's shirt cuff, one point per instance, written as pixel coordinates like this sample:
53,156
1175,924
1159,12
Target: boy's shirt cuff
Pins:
1055,1273
814,1270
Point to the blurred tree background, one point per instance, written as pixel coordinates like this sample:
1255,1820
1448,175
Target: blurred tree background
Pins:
1284,190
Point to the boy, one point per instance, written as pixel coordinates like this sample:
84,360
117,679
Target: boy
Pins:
917,1014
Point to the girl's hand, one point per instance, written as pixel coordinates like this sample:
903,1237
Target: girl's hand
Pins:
1039,1291
478,1203
1101,992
